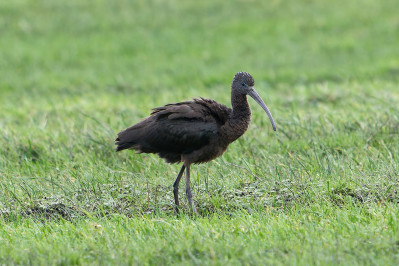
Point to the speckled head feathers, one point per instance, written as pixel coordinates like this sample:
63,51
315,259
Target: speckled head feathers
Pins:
244,77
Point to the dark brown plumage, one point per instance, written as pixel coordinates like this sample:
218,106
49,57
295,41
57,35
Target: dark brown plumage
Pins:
195,131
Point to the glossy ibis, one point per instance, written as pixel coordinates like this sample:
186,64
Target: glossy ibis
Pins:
195,131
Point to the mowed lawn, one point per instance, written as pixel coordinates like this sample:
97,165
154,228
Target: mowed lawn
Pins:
323,189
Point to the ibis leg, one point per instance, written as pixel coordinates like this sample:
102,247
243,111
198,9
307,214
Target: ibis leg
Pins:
188,190
176,186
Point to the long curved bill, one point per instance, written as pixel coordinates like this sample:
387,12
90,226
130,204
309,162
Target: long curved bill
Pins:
252,92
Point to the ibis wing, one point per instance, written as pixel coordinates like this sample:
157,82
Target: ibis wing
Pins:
178,135
175,128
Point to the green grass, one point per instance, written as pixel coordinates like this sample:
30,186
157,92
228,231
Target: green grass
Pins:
323,189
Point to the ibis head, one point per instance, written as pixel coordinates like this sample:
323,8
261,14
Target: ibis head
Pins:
243,83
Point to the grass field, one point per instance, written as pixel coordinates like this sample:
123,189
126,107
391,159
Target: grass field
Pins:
323,189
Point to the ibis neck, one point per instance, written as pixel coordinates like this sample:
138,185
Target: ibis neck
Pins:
239,118
240,106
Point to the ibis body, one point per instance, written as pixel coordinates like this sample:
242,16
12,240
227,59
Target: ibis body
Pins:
193,132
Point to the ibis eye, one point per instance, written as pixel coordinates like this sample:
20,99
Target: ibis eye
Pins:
243,84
